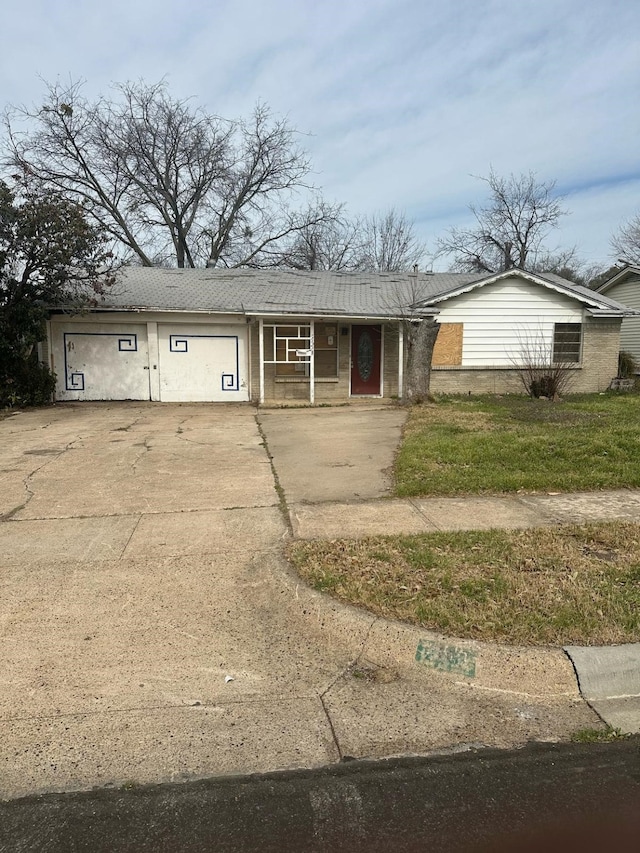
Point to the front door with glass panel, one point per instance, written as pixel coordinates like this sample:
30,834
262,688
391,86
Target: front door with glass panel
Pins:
365,360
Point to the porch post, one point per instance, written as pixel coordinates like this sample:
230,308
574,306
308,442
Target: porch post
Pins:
261,357
400,360
312,365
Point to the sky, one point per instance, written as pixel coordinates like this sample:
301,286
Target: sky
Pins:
400,103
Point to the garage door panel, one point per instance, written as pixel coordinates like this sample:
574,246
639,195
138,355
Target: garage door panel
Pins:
202,363
102,362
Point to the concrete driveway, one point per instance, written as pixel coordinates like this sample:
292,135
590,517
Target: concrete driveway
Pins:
135,580
151,631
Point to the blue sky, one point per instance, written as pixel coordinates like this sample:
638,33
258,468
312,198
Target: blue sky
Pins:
401,102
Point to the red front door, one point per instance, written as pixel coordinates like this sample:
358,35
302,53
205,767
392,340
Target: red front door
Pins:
365,359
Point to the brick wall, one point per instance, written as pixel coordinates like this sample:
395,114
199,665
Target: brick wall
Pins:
600,346
390,367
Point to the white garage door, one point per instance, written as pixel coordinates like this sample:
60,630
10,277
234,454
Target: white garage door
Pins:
102,362
203,363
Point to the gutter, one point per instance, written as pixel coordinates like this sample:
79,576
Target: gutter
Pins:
249,314
611,314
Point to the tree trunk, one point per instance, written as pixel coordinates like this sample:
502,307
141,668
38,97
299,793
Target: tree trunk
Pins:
421,334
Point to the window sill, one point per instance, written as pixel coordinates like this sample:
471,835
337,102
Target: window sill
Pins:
292,379
511,367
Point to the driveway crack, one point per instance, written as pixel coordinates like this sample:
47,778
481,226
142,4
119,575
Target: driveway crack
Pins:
26,482
331,727
282,498
146,449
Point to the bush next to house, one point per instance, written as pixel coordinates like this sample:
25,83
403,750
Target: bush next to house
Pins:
24,381
50,255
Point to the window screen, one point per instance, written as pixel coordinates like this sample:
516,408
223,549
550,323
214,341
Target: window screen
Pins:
567,338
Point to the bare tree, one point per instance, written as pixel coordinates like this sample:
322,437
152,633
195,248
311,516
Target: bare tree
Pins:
542,372
510,229
421,333
383,242
390,243
420,330
328,240
626,243
170,182
568,265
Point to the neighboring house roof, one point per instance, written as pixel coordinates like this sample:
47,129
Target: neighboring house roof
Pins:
626,272
311,293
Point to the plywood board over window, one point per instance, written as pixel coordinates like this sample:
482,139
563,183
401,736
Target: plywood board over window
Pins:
448,349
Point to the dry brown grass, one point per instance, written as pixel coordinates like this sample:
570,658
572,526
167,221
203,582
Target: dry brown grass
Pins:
569,584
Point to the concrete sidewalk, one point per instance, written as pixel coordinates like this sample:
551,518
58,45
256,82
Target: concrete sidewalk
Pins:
424,515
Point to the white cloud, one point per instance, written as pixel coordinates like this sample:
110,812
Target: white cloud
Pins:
406,99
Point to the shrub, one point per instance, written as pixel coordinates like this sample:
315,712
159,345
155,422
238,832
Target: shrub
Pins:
25,382
627,365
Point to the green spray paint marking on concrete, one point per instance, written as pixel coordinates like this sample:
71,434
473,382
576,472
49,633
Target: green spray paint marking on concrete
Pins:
447,658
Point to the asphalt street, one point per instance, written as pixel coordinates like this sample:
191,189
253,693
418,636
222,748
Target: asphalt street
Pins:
563,796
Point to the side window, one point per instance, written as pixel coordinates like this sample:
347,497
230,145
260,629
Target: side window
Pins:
567,341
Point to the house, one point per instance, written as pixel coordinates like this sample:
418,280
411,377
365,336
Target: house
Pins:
181,335
624,287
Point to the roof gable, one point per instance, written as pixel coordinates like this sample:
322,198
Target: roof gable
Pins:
591,299
620,276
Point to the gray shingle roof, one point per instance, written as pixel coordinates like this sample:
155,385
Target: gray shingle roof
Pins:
283,292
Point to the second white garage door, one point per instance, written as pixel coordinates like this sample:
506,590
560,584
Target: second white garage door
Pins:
203,363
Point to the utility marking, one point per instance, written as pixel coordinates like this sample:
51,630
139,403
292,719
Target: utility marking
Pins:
447,658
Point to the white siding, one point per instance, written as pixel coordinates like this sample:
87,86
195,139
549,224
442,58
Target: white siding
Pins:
628,293
499,319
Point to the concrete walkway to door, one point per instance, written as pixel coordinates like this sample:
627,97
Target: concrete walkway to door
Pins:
151,630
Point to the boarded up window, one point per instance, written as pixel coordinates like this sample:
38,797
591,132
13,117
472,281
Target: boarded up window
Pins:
448,349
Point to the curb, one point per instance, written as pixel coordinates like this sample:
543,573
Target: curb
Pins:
534,672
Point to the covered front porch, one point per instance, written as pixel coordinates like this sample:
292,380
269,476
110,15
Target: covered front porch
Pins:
328,359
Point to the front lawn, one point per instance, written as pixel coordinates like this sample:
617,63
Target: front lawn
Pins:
506,444
574,584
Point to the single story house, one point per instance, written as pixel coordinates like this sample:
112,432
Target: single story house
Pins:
182,335
624,287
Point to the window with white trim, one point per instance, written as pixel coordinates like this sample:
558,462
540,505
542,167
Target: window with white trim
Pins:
290,348
567,343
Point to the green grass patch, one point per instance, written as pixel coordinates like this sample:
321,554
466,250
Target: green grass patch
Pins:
604,735
572,584
507,444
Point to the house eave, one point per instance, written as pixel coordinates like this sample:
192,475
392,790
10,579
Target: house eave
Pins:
335,315
533,278
252,314
621,275
611,315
